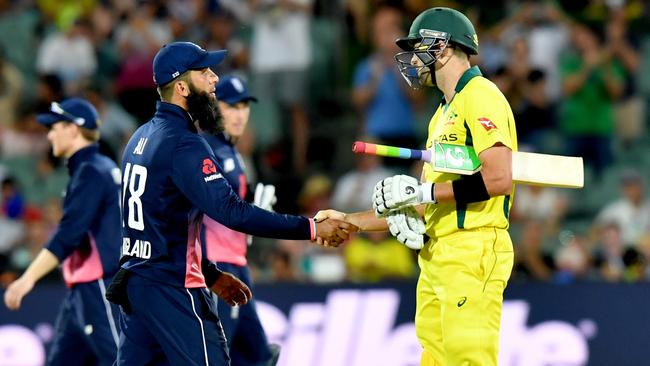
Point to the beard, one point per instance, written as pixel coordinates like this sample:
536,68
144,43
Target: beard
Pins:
204,111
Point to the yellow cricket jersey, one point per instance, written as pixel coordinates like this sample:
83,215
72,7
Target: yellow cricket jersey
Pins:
478,115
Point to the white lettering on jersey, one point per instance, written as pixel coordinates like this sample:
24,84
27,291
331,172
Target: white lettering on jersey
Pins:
140,249
126,244
212,177
139,149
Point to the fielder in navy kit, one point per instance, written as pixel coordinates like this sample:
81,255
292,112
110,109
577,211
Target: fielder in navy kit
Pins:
86,242
170,179
247,341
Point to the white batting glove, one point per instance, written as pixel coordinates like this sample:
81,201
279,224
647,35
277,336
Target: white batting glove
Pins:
399,191
265,196
408,227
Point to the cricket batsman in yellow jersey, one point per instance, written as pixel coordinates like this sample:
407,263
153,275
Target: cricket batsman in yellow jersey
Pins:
466,254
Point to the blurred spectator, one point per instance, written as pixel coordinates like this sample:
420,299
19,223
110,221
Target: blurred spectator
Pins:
543,204
48,89
353,191
69,54
280,59
65,12
24,138
49,182
11,88
21,27
643,265
117,124
11,225
104,20
503,81
138,39
536,115
282,268
221,34
518,69
379,92
629,112
609,253
545,29
185,19
591,82
631,212
531,261
377,256
572,259
13,204
314,262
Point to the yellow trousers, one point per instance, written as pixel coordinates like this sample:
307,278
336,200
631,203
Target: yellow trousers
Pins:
460,295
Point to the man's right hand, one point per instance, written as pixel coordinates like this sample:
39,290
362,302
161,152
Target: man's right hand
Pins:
333,232
329,214
16,291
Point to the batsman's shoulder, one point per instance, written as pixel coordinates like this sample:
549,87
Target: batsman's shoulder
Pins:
484,90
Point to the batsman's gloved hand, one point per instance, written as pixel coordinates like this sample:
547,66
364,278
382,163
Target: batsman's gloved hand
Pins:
408,227
233,291
399,191
265,196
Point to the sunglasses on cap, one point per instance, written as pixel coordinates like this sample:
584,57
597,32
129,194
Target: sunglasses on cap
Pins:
57,109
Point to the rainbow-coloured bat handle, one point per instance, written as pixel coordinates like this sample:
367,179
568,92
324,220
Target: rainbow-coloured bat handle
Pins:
361,147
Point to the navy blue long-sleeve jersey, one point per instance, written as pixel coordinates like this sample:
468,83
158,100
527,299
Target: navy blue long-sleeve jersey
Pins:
170,179
87,239
224,245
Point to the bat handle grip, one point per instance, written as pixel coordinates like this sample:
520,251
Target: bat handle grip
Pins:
359,147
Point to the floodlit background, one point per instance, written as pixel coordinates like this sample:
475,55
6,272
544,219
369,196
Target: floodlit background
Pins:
576,73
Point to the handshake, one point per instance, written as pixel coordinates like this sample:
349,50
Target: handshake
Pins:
394,199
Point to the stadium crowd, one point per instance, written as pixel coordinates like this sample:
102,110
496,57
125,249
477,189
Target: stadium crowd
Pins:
576,73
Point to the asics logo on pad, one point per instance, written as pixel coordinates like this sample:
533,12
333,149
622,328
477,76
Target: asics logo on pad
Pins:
409,190
462,301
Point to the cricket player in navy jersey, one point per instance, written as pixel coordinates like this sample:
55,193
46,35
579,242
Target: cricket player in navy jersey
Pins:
247,341
171,178
86,242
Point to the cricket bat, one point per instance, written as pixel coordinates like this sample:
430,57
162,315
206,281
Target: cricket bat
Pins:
527,168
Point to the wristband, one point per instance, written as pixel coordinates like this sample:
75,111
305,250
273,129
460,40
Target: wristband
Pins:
312,229
428,193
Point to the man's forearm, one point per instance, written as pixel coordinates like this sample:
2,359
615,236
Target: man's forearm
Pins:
367,221
43,264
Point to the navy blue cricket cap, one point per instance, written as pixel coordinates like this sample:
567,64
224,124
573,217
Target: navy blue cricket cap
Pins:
175,58
232,90
75,110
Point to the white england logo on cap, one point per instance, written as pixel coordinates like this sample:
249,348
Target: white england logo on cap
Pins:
237,84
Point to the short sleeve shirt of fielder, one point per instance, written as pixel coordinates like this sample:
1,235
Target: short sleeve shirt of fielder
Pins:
479,116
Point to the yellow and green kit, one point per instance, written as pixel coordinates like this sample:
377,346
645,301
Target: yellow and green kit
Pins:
466,264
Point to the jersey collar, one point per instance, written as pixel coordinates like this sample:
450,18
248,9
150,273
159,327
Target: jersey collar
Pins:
468,75
166,110
80,156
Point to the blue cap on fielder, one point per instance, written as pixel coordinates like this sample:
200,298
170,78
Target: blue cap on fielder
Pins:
232,90
75,110
175,58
